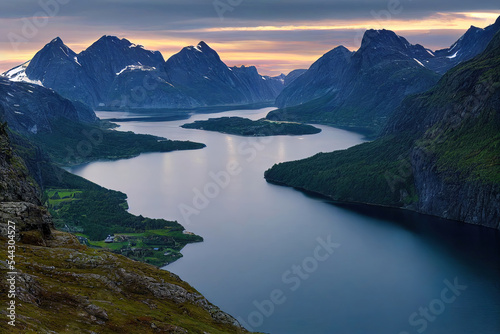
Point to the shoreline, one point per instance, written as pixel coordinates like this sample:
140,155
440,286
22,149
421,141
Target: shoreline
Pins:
347,204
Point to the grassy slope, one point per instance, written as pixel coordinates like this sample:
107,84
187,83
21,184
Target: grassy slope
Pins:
73,289
472,153
471,150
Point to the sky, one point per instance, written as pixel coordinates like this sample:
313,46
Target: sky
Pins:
277,36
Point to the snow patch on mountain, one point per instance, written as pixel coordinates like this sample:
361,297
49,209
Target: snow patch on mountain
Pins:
18,74
418,62
136,68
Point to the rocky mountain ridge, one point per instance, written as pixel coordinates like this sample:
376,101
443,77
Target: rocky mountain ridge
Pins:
114,73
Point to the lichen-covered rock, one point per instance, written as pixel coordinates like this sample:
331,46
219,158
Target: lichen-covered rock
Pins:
113,294
28,218
19,198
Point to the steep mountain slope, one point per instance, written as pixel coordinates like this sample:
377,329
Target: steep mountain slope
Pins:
259,88
110,55
324,76
356,90
147,87
201,72
18,74
64,287
293,75
87,76
360,90
69,131
19,193
56,66
204,76
439,154
29,108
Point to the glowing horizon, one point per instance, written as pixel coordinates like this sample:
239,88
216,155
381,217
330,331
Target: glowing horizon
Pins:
271,56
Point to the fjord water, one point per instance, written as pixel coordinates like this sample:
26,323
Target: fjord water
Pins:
285,262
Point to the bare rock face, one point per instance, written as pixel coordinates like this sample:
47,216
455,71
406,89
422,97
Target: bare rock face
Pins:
15,183
19,198
164,290
470,202
33,223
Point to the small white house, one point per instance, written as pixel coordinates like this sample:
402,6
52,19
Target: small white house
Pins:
110,239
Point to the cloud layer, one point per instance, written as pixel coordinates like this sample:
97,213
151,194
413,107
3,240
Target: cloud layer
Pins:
275,35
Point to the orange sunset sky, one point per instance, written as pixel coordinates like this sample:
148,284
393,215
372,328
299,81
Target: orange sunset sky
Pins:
275,36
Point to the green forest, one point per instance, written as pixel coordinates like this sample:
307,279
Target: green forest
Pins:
246,127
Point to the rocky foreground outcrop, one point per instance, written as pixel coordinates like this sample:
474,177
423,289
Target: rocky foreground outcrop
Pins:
19,195
64,287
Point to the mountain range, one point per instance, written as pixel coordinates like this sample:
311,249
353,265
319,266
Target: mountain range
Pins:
356,90
439,153
359,90
114,73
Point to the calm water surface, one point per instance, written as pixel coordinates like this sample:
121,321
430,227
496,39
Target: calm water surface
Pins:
283,262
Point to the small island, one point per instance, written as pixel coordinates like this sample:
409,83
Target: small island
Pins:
246,127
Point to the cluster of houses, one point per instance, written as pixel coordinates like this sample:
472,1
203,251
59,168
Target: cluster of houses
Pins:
111,238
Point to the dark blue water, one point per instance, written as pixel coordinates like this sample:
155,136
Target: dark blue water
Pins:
284,262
